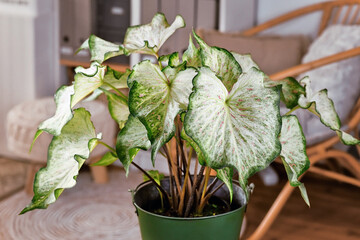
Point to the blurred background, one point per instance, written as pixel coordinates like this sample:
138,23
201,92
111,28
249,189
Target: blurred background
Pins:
38,41
38,37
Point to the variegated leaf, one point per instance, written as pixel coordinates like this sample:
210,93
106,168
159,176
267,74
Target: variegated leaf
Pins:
226,175
291,90
101,50
118,108
112,79
171,60
238,129
221,61
293,149
149,38
156,98
86,81
130,140
192,55
245,61
324,107
63,112
67,152
116,79
293,152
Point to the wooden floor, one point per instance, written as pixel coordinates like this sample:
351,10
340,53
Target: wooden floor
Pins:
12,176
334,212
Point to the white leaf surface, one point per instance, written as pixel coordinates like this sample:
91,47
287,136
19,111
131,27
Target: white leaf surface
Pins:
149,38
238,129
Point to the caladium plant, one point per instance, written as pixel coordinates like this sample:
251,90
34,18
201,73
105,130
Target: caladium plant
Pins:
209,101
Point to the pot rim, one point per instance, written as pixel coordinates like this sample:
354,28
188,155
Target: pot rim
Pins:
185,218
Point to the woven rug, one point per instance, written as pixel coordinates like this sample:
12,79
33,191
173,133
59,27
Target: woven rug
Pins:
87,211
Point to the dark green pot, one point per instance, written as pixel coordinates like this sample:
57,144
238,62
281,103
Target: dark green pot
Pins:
225,226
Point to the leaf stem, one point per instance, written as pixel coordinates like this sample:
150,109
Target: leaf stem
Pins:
125,98
159,62
292,110
177,182
107,146
182,196
195,186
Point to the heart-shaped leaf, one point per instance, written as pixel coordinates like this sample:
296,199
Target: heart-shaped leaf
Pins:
67,153
238,129
130,140
149,38
324,107
156,98
221,61
101,50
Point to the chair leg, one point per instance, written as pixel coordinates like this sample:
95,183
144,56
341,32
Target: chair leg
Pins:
99,174
30,176
273,212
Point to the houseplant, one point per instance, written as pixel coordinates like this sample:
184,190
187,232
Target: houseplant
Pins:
211,101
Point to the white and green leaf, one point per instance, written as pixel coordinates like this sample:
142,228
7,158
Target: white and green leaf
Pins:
324,107
293,151
171,60
221,61
86,81
101,50
116,79
67,153
238,129
130,140
226,176
118,108
112,80
192,55
291,90
63,112
156,98
245,61
149,38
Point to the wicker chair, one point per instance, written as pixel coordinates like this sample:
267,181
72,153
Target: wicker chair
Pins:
346,12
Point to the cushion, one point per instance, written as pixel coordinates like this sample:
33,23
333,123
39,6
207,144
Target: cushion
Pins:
24,118
342,79
271,53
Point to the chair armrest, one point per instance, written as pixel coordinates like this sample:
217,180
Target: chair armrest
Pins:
296,70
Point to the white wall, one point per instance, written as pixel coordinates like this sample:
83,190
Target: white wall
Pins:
268,9
236,16
29,63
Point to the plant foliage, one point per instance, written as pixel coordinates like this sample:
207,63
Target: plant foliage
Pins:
214,102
